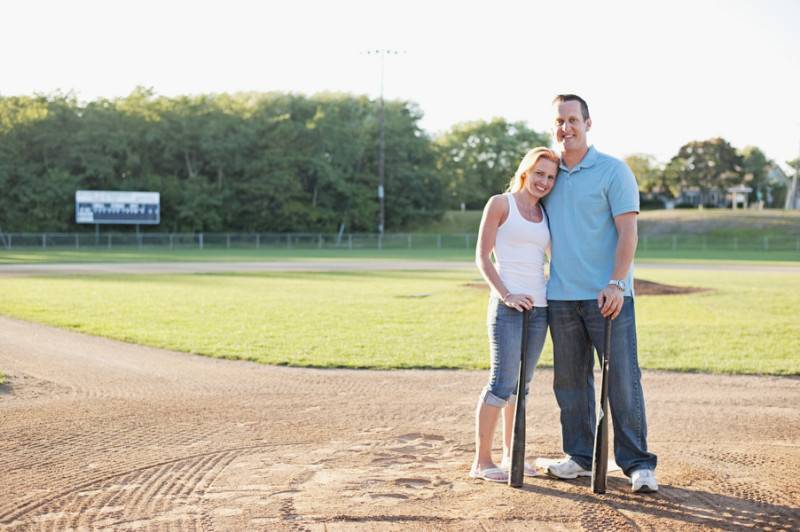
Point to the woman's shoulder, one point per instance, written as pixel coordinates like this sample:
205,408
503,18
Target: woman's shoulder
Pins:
501,199
496,209
498,202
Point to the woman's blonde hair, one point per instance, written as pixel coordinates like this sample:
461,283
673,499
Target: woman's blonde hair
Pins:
528,162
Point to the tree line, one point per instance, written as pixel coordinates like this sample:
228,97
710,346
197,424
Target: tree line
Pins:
708,165
246,162
274,162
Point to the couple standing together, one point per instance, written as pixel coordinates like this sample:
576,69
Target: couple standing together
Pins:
580,208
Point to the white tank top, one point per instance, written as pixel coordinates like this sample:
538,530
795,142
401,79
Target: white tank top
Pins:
519,254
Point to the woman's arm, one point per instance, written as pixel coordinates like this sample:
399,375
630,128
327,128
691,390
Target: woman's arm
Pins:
494,215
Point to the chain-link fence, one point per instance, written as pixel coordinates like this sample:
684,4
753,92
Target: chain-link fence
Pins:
673,242
237,240
687,242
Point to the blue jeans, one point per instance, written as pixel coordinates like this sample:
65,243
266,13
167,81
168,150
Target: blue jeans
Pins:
575,327
505,342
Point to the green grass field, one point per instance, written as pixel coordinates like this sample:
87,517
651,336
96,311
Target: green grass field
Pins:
717,223
456,222
721,223
35,256
746,324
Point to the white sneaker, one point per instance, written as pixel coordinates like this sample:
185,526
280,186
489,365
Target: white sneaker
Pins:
643,481
568,469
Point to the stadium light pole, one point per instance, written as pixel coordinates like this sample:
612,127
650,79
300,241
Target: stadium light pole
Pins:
382,53
791,194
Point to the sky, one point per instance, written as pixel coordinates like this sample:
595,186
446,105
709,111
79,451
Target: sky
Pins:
655,74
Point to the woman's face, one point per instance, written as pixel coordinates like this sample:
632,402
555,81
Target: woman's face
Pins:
541,178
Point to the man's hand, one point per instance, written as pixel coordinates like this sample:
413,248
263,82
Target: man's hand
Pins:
610,301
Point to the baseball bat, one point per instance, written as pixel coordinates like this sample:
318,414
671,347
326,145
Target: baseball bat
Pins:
517,471
600,460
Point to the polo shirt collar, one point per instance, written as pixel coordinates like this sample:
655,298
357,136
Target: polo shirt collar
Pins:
587,162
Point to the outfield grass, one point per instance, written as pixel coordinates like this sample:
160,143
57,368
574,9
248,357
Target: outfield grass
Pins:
2,378
34,256
252,255
747,324
456,222
719,223
711,255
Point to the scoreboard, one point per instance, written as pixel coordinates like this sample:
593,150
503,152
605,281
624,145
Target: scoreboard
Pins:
115,207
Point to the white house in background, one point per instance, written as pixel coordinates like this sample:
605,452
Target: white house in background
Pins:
793,195
777,176
695,197
739,195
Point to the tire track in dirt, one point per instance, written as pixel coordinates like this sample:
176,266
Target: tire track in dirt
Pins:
153,490
112,442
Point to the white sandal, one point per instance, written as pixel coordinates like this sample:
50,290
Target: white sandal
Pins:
530,471
484,474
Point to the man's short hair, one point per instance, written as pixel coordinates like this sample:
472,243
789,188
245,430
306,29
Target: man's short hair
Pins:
574,98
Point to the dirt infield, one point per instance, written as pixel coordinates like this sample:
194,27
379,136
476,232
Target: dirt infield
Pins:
102,434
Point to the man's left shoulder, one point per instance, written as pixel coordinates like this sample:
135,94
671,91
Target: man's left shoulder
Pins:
612,163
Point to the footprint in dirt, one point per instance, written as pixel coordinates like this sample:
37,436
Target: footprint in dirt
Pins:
414,448
394,471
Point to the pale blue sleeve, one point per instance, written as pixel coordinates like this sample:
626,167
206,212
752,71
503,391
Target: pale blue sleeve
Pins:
623,191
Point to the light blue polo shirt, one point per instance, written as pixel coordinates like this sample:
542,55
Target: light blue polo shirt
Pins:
581,208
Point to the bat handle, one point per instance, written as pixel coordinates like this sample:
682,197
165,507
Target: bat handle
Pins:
522,355
600,458
517,470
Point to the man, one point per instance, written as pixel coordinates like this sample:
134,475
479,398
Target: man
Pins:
592,210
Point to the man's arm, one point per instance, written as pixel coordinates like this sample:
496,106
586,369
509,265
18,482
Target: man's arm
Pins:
611,298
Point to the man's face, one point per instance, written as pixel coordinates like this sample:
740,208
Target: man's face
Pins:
569,127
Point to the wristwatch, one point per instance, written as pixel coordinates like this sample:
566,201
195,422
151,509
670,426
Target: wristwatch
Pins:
619,283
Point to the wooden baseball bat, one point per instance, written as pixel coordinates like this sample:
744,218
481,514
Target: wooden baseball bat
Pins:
517,471
600,460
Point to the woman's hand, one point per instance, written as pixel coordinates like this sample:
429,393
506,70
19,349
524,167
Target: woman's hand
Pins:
518,301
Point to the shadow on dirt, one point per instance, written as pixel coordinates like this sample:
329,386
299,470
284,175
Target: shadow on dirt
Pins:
681,505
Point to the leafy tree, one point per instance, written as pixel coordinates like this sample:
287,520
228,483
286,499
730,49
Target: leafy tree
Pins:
478,159
709,164
755,170
248,161
648,172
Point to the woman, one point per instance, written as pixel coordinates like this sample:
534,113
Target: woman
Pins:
514,227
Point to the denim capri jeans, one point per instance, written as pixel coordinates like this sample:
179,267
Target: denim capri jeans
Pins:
505,343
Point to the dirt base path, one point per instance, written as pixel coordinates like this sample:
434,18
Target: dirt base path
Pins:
101,434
